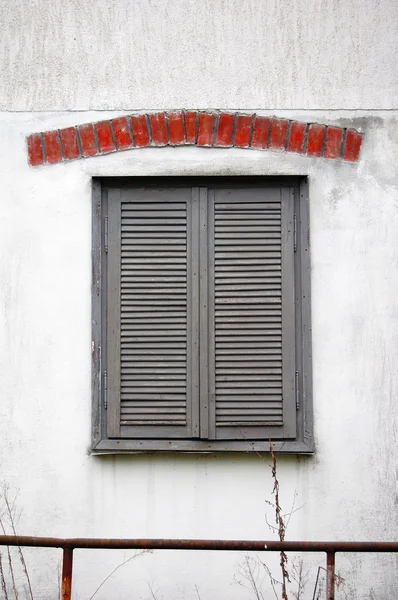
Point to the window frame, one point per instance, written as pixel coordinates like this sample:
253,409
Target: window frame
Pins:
303,443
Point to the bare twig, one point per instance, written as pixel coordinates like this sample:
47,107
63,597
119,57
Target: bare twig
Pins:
291,512
300,576
270,526
250,573
197,592
252,579
12,523
288,514
2,578
152,592
280,524
10,565
274,582
136,555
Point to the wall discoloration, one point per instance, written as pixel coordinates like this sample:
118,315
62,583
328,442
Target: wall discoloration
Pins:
120,56
347,490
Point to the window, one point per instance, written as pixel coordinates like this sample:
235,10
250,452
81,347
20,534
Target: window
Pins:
201,315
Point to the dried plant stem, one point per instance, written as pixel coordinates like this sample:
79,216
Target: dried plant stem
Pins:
152,592
272,579
252,580
249,571
2,578
115,569
300,575
10,566
197,592
21,555
281,527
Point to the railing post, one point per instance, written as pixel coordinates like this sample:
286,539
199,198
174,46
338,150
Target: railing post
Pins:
67,564
330,578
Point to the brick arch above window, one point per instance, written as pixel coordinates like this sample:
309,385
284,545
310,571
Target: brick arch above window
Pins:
205,129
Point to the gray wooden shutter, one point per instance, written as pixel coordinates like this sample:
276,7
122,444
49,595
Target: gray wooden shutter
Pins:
251,322
152,327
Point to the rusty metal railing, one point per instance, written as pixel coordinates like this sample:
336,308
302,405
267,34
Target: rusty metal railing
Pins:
68,545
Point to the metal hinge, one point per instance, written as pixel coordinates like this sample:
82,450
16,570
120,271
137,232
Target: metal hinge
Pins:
105,390
297,390
106,234
295,233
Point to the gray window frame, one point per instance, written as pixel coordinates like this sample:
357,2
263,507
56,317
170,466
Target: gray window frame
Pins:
303,443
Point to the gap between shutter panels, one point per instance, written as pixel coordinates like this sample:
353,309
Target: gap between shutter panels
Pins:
154,313
248,313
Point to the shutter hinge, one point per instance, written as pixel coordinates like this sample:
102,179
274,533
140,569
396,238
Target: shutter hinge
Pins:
105,390
295,233
297,390
106,234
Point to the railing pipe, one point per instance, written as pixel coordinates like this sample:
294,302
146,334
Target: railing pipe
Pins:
69,544
330,575
67,565
187,544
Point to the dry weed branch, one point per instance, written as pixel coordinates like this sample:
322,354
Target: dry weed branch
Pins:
280,522
197,592
300,575
10,565
10,511
136,555
249,571
2,578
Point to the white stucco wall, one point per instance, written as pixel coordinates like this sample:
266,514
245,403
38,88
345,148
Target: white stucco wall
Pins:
347,489
118,54
66,58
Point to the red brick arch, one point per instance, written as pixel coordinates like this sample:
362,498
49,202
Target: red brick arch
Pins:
207,129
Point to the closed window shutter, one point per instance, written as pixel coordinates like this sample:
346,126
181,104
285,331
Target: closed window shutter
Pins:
251,363
152,326
200,319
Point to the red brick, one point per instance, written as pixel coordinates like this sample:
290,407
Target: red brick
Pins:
105,137
140,130
122,133
243,130
159,129
206,129
69,143
279,131
176,128
190,123
297,137
353,143
260,132
35,150
316,135
225,129
334,137
52,147
87,138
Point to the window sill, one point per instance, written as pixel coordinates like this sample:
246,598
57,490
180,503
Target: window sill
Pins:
199,446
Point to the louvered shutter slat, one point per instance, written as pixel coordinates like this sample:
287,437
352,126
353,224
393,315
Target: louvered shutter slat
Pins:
154,276
154,297
248,369
200,318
